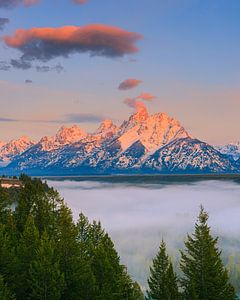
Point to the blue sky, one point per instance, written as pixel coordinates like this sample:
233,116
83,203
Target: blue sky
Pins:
188,59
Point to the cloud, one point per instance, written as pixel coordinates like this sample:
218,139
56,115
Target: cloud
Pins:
83,118
48,43
4,66
79,1
129,84
146,97
20,64
25,65
3,22
58,68
28,81
14,3
7,120
137,102
133,103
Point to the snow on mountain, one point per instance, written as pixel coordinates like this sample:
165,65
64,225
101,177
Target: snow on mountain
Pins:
143,144
14,148
189,155
2,144
152,131
232,150
64,136
106,129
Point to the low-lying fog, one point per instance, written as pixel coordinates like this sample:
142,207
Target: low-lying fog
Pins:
138,217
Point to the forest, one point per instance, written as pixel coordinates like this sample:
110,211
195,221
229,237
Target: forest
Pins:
44,254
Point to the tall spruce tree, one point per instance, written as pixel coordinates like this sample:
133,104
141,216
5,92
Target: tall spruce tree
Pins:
162,281
205,277
46,281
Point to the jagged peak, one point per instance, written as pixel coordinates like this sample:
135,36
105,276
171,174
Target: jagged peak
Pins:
106,125
141,113
70,134
20,141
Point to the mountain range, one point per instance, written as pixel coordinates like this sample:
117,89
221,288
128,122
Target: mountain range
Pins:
144,144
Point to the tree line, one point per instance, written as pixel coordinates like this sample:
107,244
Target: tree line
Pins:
44,254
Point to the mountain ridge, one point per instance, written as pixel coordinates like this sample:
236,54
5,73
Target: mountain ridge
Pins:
144,143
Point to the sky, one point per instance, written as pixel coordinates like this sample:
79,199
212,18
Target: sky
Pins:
72,61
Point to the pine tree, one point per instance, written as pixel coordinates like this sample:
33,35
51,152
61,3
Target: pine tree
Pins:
45,278
205,277
162,281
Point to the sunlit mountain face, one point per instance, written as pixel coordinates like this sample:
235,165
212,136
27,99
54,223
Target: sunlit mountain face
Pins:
142,144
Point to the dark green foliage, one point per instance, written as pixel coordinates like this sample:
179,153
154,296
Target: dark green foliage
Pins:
205,278
162,281
46,281
5,293
45,255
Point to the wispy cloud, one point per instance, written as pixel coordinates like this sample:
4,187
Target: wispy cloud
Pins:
3,22
4,66
28,81
13,3
44,69
83,118
65,119
137,102
20,64
8,120
8,4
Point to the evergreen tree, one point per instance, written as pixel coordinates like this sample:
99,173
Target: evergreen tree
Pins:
68,252
8,261
45,278
87,280
5,293
162,281
205,277
25,254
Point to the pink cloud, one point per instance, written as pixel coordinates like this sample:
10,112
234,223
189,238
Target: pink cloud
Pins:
79,1
129,84
30,2
146,97
97,39
137,102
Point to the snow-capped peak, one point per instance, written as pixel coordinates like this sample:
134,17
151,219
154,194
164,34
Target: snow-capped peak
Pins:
68,135
64,136
15,147
106,129
141,114
152,131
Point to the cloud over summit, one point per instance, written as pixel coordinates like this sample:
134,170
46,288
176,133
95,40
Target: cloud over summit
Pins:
137,102
96,39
